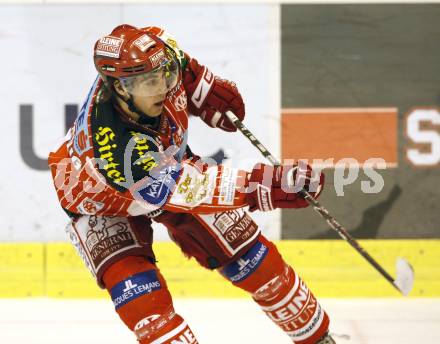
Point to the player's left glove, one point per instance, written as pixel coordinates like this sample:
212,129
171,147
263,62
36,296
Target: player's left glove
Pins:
210,97
269,187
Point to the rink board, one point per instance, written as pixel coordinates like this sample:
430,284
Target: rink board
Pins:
331,268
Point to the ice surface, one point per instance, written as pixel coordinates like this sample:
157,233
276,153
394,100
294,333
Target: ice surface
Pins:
364,321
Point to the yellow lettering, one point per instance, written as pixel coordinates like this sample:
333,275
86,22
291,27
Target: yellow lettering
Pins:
114,174
107,156
184,186
189,197
110,166
106,148
149,165
141,148
104,135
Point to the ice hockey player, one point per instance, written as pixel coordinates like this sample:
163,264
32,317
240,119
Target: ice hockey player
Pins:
125,163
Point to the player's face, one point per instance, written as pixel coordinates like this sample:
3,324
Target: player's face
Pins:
149,94
149,89
152,106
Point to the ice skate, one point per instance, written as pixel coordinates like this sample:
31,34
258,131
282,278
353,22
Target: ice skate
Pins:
327,339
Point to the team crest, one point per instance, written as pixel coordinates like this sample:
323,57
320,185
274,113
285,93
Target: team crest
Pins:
180,103
89,207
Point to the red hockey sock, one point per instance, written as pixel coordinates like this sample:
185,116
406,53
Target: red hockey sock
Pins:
290,304
143,302
280,292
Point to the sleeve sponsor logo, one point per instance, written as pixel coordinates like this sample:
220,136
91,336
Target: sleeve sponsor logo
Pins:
227,186
109,46
157,190
196,191
246,264
195,187
144,42
137,285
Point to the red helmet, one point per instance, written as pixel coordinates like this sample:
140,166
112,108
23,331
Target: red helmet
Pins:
142,62
128,51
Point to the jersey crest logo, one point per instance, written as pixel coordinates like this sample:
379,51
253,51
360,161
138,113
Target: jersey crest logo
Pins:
180,103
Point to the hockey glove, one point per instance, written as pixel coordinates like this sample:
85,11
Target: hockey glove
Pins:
271,187
211,97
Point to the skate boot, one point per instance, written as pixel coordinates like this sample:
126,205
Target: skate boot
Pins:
326,340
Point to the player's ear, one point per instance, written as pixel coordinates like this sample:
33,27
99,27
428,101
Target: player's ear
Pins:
120,89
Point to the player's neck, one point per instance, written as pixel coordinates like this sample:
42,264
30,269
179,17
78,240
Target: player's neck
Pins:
124,107
135,118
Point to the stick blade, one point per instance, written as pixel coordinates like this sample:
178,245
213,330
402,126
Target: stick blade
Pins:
405,276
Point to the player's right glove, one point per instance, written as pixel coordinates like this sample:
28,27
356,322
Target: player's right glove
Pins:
269,187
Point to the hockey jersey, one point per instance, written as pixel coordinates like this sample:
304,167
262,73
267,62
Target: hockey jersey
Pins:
110,165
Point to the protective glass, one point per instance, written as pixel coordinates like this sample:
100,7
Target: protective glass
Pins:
158,81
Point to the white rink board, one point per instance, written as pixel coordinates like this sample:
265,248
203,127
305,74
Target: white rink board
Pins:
48,64
357,321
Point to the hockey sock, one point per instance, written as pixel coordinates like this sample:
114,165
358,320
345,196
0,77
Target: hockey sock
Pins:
280,292
143,302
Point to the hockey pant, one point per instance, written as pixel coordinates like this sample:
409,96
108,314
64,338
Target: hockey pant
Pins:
118,251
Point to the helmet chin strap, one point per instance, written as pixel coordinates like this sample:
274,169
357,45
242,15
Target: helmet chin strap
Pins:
153,121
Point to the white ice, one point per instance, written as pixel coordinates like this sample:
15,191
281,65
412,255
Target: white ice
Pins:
355,321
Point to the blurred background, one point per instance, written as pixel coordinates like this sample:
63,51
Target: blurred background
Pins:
340,80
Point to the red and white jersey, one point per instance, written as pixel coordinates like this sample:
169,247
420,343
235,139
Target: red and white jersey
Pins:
109,165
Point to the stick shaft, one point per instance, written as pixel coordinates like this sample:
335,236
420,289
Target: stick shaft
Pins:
331,221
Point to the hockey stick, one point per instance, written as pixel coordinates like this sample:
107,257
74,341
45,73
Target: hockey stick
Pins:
405,274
